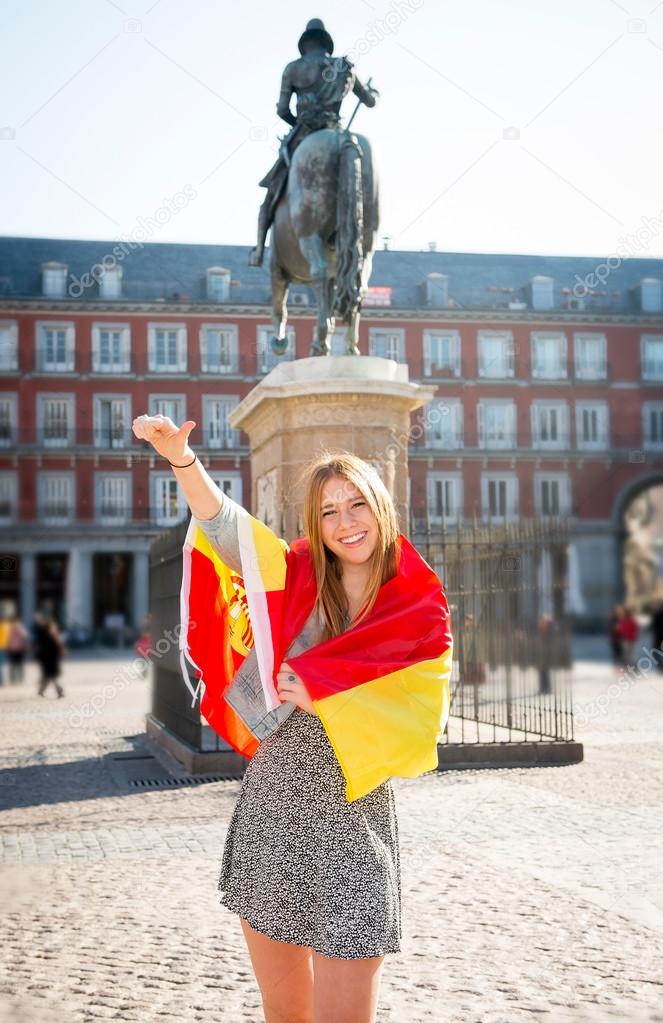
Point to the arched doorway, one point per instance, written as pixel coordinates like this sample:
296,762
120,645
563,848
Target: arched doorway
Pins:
639,530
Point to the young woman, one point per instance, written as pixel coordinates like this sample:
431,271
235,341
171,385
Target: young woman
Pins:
320,900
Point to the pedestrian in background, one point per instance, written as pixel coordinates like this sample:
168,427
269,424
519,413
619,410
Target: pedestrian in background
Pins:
4,640
615,636
656,626
48,653
17,648
629,631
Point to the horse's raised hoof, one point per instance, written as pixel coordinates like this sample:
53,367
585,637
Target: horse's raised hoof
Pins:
279,345
255,256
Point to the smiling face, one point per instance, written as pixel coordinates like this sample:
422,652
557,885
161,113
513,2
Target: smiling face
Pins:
347,524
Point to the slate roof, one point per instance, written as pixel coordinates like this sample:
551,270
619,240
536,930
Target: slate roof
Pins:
476,280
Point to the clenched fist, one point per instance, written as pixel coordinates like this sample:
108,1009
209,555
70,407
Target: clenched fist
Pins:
168,440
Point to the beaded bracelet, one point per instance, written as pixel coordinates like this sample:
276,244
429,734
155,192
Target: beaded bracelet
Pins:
182,466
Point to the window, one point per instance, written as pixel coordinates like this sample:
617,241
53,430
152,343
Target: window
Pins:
652,356
590,356
218,284
171,405
548,355
267,357
112,502
8,345
652,415
55,347
216,431
168,506
229,483
111,347
550,424
387,344
445,497
552,493
499,496
8,497
219,348
496,353
441,353
112,420
110,282
166,347
497,423
443,420
55,419
592,425
55,494
8,420
339,340
54,280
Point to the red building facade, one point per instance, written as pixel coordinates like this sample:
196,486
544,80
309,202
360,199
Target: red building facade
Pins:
541,408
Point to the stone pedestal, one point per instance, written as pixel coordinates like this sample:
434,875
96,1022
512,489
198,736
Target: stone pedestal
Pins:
360,404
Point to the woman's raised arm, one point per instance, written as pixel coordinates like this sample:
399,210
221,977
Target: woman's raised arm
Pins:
203,496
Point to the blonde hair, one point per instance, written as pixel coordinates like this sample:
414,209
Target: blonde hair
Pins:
331,600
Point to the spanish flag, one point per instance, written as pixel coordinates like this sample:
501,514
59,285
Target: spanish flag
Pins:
381,688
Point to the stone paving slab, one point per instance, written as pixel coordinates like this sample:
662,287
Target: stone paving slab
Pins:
529,894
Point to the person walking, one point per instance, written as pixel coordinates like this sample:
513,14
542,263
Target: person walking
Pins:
615,637
4,643
311,858
629,631
17,648
656,626
48,653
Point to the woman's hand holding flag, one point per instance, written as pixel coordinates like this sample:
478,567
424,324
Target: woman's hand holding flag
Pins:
291,689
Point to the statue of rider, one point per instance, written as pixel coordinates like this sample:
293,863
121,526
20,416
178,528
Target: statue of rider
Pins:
321,83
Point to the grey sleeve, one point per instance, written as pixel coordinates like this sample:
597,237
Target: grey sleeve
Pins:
221,531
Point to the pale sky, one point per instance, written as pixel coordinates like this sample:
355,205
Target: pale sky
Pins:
111,108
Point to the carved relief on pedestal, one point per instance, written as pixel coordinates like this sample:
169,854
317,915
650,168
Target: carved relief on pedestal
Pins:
267,509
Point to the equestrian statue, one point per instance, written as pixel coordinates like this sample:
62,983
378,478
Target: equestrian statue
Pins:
322,195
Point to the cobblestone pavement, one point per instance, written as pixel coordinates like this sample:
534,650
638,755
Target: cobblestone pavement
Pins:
529,894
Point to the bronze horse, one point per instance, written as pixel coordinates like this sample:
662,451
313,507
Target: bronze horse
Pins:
324,233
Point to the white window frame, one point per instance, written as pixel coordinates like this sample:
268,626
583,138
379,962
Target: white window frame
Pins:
506,339
110,282
454,482
266,359
8,346
230,437
603,426
234,479
511,496
160,482
11,399
649,442
436,413
546,443
9,481
179,417
68,480
124,363
231,329
42,364
181,342
587,372
113,442
433,369
394,342
54,281
510,441
564,484
124,515
540,372
648,371
56,442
